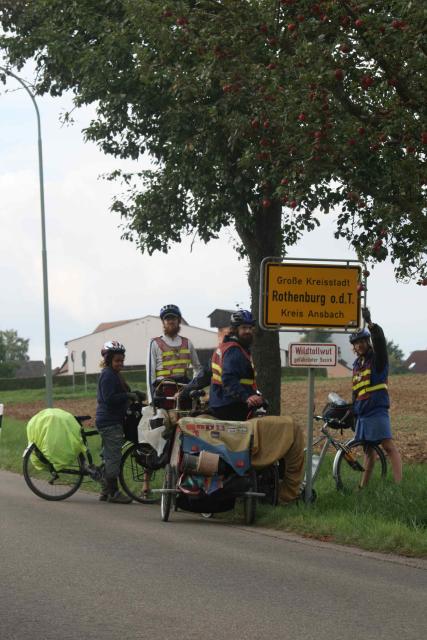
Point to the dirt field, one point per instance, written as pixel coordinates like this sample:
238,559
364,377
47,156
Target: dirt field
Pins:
408,408
408,411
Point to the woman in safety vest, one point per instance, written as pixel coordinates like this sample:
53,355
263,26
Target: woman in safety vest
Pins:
370,396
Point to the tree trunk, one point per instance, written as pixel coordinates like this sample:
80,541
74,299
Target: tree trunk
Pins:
262,241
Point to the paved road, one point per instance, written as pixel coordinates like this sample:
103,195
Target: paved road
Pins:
83,570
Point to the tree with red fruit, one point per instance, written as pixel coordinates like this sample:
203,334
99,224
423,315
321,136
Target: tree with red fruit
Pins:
194,83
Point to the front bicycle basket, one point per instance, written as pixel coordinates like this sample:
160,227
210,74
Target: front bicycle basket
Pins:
339,416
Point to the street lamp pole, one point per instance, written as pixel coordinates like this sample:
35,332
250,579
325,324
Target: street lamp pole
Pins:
48,362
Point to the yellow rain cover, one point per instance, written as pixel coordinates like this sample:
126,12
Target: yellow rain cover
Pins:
57,434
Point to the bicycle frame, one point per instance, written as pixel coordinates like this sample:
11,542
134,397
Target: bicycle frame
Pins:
328,441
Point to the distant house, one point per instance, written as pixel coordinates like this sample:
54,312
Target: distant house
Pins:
341,370
417,362
30,369
136,335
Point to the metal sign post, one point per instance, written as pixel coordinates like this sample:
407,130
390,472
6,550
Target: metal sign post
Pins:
311,355
73,378
309,451
84,367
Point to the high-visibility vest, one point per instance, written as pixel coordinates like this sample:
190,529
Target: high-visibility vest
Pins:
217,360
365,383
175,360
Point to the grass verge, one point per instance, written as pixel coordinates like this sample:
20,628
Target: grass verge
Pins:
383,517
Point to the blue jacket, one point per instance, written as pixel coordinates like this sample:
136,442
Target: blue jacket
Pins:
235,366
112,400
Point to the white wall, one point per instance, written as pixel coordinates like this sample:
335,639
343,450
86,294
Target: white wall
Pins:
135,336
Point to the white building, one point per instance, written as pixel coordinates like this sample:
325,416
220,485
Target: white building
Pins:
135,335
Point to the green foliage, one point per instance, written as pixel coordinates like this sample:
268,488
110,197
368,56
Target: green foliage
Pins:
316,335
395,358
256,113
13,351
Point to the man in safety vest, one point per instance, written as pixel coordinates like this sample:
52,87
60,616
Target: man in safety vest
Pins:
233,391
370,396
171,355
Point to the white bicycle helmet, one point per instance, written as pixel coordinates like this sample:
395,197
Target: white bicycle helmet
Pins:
112,346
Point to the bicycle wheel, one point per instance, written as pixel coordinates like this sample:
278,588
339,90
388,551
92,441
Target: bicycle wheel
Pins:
47,483
268,483
132,471
349,466
167,499
249,503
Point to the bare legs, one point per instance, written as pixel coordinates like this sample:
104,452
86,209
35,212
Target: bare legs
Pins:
393,455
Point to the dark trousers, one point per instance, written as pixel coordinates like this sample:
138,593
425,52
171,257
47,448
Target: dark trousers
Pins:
112,442
236,411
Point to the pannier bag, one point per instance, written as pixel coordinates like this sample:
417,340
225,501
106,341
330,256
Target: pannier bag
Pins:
340,415
56,433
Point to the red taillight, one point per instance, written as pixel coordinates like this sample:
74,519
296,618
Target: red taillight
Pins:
194,447
240,463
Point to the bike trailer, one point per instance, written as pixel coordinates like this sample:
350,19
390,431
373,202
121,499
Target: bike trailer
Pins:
213,464
56,433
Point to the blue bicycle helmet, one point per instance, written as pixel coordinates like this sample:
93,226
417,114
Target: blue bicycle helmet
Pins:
241,317
170,310
361,334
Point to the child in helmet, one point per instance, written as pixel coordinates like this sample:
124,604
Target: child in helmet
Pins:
370,396
113,396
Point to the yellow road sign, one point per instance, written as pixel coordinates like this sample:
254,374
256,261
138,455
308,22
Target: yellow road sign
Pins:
311,295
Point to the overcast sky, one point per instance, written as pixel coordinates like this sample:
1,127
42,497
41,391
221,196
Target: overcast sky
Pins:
94,276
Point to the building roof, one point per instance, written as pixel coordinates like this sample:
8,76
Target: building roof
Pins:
417,362
220,318
105,326
110,325
30,369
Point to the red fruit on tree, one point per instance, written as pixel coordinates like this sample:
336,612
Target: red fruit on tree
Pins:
366,273
339,74
271,66
284,181
182,21
424,137
361,131
302,117
266,203
227,88
264,142
292,26
300,18
345,48
398,24
266,124
167,13
255,124
358,23
366,81
293,204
